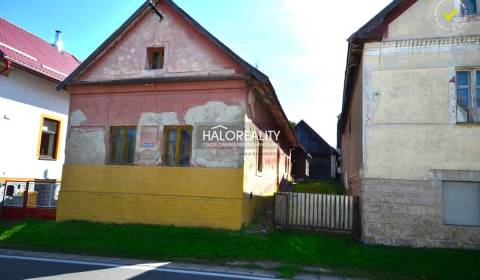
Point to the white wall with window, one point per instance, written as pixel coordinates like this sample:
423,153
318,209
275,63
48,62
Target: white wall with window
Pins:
33,123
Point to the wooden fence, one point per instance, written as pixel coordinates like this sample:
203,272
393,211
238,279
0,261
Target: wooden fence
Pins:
307,211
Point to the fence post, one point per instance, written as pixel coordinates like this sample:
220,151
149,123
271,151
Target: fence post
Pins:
25,199
52,189
356,230
278,219
286,210
274,209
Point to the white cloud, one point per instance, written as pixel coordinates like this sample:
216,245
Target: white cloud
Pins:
311,86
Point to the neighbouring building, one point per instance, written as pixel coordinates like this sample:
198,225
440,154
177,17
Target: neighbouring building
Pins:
33,120
323,162
300,164
139,107
409,131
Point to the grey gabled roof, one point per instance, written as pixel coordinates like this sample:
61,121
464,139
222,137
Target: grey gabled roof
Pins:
321,147
249,68
372,29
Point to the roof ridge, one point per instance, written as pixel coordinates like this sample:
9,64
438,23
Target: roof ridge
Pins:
43,40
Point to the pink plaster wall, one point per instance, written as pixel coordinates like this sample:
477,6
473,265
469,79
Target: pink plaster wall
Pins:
258,112
103,107
188,52
276,155
123,109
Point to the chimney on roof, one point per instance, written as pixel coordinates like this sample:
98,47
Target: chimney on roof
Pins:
58,40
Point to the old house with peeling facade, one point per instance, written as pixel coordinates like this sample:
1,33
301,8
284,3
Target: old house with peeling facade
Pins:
409,131
139,107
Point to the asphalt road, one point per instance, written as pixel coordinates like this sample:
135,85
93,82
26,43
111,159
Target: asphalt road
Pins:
20,267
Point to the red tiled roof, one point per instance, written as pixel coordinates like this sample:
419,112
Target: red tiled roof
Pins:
29,51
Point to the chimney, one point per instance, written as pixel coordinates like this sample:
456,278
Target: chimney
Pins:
58,40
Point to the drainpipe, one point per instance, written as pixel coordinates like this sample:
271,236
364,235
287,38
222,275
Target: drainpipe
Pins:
154,9
8,63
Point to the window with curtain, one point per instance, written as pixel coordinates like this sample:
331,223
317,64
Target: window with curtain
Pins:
123,145
463,96
49,139
468,95
469,7
178,145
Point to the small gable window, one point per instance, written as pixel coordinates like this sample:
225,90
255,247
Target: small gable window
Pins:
155,58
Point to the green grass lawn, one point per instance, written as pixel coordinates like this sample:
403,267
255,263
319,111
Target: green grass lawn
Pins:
319,186
342,254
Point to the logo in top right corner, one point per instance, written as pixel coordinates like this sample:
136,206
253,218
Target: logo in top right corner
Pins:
451,15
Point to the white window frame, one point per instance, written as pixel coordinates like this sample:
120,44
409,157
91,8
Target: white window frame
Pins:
474,115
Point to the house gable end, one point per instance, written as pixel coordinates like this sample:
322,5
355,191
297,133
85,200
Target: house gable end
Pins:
192,54
377,27
374,30
428,19
186,51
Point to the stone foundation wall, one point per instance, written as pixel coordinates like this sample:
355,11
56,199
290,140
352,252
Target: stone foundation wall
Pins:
409,213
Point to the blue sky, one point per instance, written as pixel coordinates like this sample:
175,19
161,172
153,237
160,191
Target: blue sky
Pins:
300,44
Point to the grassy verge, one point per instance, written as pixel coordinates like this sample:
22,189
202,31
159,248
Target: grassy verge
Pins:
320,186
343,255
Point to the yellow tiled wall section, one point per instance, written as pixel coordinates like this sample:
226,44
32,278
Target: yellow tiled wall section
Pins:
204,197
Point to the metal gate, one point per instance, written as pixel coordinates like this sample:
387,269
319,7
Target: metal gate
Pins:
29,199
319,212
